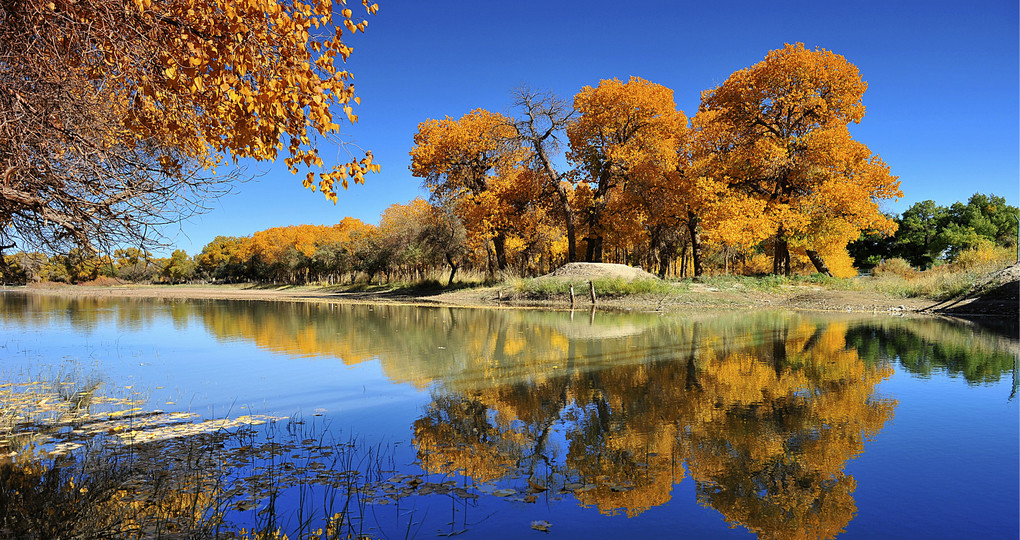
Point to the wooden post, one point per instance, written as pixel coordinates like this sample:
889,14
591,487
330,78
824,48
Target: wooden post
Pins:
591,288
571,296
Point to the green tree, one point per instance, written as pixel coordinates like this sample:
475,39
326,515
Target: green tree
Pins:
920,238
179,267
984,219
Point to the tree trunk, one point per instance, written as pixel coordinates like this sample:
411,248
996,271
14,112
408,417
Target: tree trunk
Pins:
453,269
594,249
499,244
694,228
666,254
819,263
781,254
568,216
490,265
594,238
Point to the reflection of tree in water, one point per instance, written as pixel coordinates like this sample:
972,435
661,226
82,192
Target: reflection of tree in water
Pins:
761,410
764,419
777,429
924,347
623,437
83,314
461,434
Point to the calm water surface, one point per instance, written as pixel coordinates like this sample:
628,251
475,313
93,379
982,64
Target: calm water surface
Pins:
778,425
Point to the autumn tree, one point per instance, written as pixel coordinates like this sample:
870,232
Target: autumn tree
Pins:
22,267
179,267
619,127
334,254
114,114
785,120
464,161
405,231
224,257
543,117
133,264
447,237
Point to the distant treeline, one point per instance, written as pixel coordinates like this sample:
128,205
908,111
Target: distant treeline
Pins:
416,241
929,235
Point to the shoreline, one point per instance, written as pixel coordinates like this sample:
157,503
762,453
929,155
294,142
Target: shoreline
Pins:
996,314
698,297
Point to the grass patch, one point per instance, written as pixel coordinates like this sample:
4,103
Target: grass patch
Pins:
968,274
828,282
767,283
932,284
609,287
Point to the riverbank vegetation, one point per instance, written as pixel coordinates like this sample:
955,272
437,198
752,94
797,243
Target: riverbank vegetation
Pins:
275,258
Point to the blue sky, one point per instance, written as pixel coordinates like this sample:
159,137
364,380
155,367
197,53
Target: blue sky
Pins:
942,101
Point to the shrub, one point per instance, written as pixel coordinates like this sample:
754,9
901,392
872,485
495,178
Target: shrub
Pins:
985,256
895,267
102,281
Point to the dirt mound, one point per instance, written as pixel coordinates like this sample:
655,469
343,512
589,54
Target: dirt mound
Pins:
585,270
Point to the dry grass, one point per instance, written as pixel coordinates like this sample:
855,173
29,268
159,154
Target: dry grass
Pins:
971,270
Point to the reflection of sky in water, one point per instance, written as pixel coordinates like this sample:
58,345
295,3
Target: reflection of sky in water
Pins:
168,361
950,456
944,465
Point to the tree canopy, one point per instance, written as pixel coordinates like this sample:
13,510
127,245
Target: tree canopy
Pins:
784,121
115,114
767,165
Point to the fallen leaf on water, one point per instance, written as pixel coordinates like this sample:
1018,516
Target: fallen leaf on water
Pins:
504,492
541,525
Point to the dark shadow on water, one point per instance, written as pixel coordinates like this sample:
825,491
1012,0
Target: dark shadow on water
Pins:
996,309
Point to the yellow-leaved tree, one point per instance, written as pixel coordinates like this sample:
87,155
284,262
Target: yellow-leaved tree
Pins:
620,126
781,129
114,113
469,163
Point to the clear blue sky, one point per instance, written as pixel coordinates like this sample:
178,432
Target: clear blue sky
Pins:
942,101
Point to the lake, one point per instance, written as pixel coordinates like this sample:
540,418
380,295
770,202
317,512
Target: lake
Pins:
503,423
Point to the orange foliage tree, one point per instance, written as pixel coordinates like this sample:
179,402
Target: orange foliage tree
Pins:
619,127
783,124
114,112
469,162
